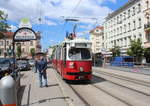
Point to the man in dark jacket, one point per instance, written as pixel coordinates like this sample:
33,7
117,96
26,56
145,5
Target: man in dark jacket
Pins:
41,66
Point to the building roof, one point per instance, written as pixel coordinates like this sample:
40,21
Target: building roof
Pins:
98,27
127,5
10,35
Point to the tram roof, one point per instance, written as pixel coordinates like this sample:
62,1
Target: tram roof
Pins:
77,40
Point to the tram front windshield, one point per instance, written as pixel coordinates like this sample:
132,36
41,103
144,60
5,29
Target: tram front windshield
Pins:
79,54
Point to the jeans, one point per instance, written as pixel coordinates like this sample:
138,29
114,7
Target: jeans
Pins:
42,76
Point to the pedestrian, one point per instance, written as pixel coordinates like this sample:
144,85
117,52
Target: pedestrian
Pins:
41,66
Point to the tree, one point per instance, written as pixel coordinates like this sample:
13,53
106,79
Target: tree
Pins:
115,51
3,28
136,49
3,22
19,50
147,54
32,52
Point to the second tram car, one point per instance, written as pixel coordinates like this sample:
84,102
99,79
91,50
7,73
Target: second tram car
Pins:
73,60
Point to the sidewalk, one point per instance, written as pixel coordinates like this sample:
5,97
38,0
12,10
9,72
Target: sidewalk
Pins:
135,76
31,95
130,69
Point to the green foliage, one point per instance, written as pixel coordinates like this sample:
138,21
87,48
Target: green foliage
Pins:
3,21
115,51
147,54
32,52
19,51
3,24
136,48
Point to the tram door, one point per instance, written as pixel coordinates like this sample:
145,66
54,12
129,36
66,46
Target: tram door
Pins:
63,63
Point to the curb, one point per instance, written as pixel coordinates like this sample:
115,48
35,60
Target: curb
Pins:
73,99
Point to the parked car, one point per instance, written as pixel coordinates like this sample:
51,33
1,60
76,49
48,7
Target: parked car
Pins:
32,62
5,67
23,65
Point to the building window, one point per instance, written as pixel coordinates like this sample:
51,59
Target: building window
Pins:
117,31
23,50
125,28
129,12
134,37
117,19
1,43
31,43
23,43
147,4
114,21
140,36
97,30
148,37
133,11
139,8
134,25
129,26
148,19
120,29
7,43
139,23
124,15
120,18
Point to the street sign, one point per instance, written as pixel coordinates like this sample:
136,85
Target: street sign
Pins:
24,34
25,23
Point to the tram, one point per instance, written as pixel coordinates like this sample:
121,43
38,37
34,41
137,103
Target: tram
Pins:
72,59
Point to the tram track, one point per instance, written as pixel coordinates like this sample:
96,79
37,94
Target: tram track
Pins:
75,91
131,81
127,100
125,78
100,93
128,104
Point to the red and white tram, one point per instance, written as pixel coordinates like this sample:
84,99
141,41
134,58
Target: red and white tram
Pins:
73,60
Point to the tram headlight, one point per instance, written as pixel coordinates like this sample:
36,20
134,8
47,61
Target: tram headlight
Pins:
81,69
71,65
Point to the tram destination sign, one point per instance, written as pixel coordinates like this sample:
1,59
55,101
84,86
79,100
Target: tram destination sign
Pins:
24,34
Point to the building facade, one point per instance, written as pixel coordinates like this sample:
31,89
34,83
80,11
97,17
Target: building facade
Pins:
124,24
96,37
146,11
6,45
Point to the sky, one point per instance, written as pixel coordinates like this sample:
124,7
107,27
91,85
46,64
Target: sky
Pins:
53,27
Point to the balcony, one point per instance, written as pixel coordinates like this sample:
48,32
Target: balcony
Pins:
147,26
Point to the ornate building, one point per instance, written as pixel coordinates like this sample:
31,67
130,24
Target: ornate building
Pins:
127,23
6,45
96,37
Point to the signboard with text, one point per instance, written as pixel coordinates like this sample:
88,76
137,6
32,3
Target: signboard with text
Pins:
24,34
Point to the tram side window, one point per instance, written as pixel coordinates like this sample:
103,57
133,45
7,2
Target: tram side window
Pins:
58,54
64,54
79,54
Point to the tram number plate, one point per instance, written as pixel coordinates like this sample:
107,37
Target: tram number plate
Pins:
81,77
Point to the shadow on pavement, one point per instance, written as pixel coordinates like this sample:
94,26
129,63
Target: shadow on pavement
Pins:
45,100
94,80
20,95
53,85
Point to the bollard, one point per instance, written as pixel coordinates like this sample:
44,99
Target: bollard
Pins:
8,94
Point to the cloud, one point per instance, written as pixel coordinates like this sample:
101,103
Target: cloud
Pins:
35,9
12,28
